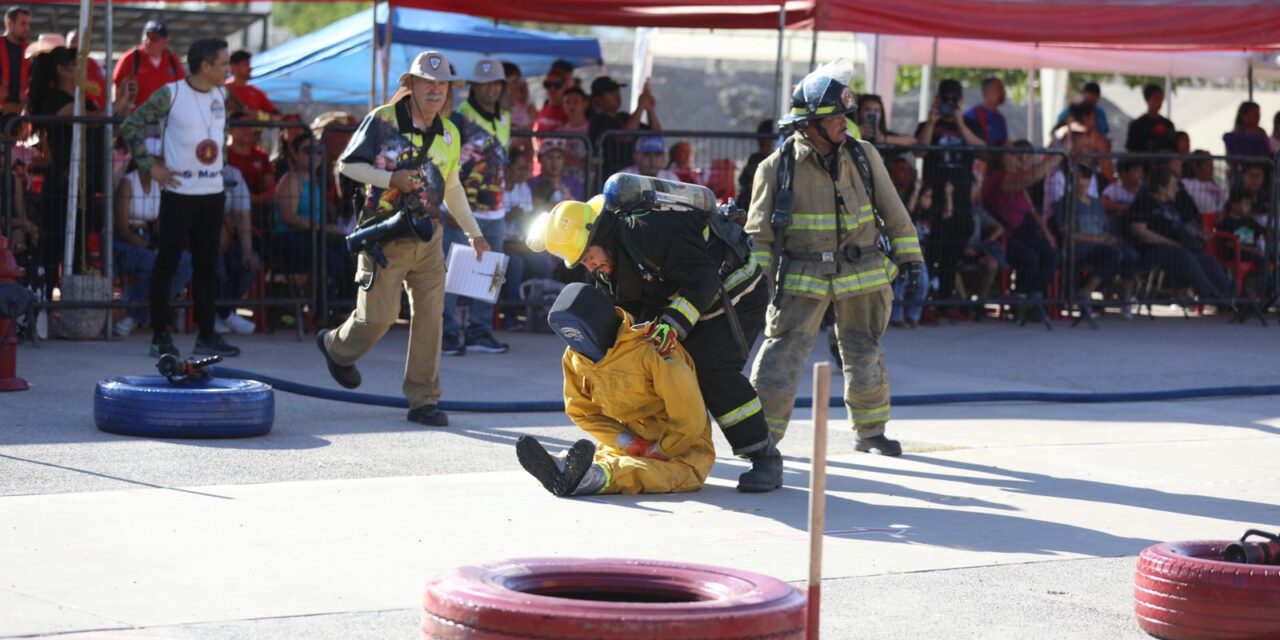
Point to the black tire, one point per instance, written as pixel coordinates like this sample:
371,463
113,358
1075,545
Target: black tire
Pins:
151,407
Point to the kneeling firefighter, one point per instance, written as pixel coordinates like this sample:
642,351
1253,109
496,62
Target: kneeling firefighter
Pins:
666,254
822,211
643,407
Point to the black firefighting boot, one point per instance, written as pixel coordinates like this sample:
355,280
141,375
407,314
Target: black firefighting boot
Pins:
766,471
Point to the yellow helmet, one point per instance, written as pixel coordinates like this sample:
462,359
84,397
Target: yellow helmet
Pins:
566,231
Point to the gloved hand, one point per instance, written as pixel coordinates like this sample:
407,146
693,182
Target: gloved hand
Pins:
911,271
663,336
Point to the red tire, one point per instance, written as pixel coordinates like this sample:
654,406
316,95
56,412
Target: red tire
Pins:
600,599
1184,591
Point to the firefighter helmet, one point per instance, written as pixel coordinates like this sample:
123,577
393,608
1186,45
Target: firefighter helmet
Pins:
823,93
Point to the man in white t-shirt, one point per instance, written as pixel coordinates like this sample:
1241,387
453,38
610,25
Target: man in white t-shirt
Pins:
193,114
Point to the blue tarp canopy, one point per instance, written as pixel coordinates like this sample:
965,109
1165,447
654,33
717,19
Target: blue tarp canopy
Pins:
333,64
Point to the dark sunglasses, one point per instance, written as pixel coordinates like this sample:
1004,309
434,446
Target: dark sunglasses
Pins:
552,85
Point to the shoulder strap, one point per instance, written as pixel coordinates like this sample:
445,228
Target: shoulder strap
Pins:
649,271
863,163
784,199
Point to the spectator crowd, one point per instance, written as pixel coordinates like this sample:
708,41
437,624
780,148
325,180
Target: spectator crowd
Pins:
995,215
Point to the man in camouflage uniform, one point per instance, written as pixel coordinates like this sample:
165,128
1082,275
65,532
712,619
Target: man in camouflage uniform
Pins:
829,253
486,136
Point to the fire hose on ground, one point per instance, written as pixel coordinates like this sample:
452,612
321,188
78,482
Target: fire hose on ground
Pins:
906,400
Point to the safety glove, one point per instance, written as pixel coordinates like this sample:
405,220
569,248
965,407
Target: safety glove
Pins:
662,335
911,271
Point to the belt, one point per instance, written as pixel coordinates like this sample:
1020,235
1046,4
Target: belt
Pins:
852,253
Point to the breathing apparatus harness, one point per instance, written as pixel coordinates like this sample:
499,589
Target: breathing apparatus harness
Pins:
630,198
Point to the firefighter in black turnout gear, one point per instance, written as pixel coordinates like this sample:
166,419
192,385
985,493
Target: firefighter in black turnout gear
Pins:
666,254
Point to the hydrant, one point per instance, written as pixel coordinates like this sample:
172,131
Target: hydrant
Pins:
15,300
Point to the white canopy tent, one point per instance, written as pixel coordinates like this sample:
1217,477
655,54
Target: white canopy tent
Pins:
1053,61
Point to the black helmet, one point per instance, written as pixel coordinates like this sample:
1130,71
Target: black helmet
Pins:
824,92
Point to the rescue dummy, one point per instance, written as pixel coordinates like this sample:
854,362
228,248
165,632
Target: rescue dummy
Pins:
642,407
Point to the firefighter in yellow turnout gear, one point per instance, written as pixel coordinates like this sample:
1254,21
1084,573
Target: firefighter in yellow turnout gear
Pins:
645,409
820,205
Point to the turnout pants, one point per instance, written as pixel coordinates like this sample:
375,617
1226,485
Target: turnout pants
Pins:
789,335
200,219
629,474
418,267
728,393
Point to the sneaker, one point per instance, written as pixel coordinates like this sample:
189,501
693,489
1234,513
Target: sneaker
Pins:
239,324
1126,310
125,326
451,346
879,445
1086,306
214,345
162,345
487,344
430,415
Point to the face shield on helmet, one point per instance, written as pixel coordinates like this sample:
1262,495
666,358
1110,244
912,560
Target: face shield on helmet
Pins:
823,93
566,230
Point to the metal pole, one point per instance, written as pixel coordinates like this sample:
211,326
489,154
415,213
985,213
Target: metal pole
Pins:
1168,96
1250,79
926,85
1031,104
818,495
386,54
109,192
373,59
777,73
813,49
77,141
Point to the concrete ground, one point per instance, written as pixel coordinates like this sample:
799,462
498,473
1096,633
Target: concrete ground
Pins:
1001,521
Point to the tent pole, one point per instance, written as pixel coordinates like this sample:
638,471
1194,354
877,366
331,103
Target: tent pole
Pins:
1250,79
875,63
373,60
109,189
777,72
1168,95
386,54
1031,104
77,142
926,85
813,49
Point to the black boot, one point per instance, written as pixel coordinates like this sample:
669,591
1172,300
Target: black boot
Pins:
766,471
541,465
879,445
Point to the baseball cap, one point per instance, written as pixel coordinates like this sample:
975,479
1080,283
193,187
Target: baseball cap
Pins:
651,144
950,87
604,84
156,27
430,65
487,70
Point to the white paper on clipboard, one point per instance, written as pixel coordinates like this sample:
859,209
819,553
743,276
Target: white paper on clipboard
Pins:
468,277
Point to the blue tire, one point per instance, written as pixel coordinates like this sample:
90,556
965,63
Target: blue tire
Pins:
151,407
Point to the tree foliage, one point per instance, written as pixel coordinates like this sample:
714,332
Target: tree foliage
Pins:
304,17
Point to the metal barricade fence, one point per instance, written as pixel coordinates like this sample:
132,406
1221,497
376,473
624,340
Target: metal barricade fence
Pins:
1182,243
964,215
100,217
577,175
715,159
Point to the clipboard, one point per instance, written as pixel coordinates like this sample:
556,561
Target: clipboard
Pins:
469,278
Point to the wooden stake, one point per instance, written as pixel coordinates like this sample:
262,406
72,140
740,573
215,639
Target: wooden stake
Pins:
818,493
